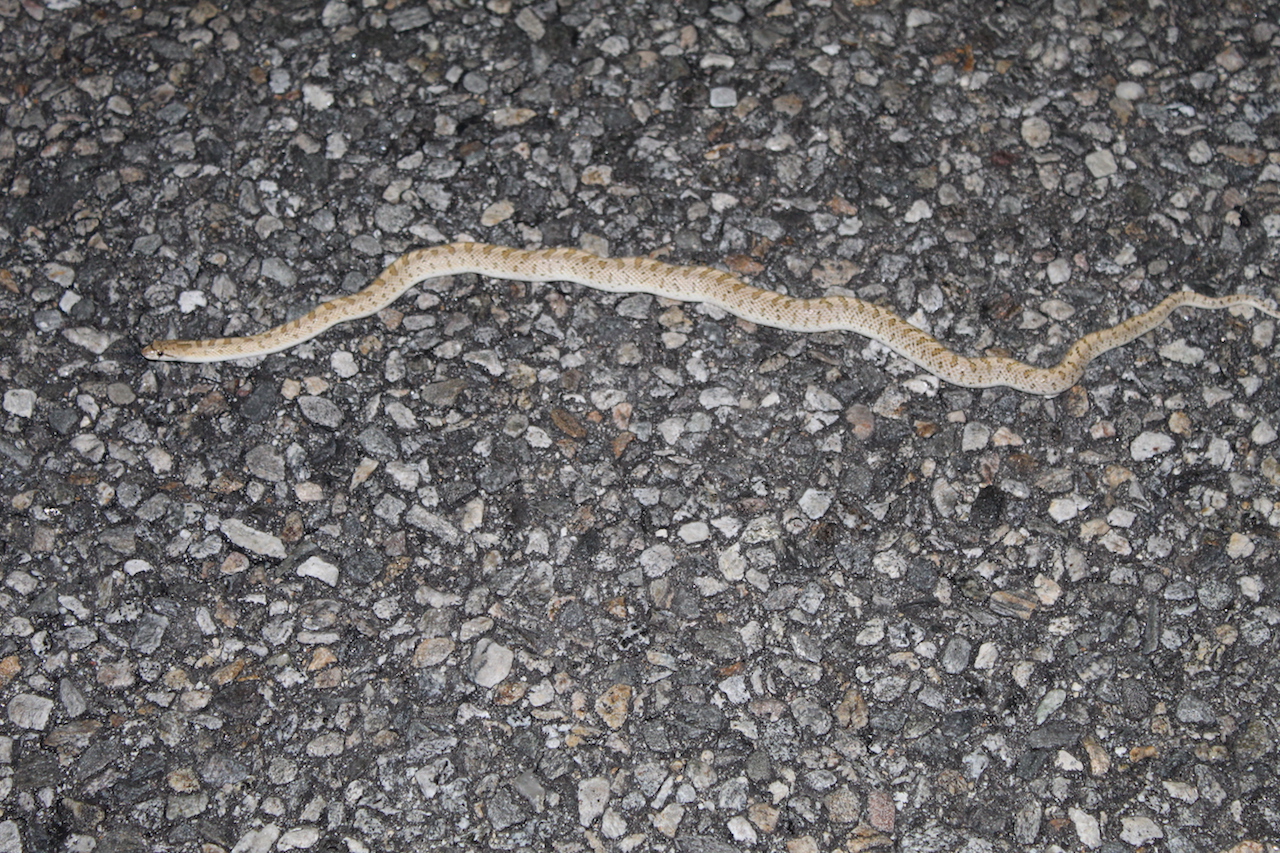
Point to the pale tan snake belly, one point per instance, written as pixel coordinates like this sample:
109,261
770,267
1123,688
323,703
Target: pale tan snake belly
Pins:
698,284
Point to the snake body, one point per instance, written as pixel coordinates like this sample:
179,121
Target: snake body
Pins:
698,284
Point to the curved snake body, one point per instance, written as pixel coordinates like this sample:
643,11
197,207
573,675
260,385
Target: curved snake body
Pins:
698,284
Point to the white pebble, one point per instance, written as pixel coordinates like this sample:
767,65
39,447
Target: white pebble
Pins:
724,96
316,97
1182,352
28,711
694,531
1101,163
537,437
20,402
657,560
1087,828
1239,546
593,794
190,301
1120,517
1063,509
741,830
1150,444
257,840
1129,90
1059,271
1036,132
244,536
1139,830
974,437
1200,152
320,569
344,364
300,838
919,210
490,663
815,503
60,274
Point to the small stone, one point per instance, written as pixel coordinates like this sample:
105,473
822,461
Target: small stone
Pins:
95,341
880,810
116,675
60,274
819,400
265,463
320,569
1256,741
331,743
597,176
505,117
258,840
742,830
433,651
299,838
1230,60
803,844
974,437
1058,271
29,711
955,655
723,96
531,24
1182,352
320,411
244,536
668,820
657,560
497,213
1262,433
815,503
810,715
1064,509
490,663
1181,790
336,13
20,402
614,705
694,532
1139,830
1008,603
861,419
1150,444
593,795
843,805
409,18
1101,163
918,211
1129,90
150,632
1239,546
1194,710
1199,152
316,97
278,269
1036,132
344,364
1087,828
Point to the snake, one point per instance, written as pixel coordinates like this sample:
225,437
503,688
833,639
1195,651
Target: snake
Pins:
694,284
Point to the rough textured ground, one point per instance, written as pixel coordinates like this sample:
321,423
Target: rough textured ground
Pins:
529,567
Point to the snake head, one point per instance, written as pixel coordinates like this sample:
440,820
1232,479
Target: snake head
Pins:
163,351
